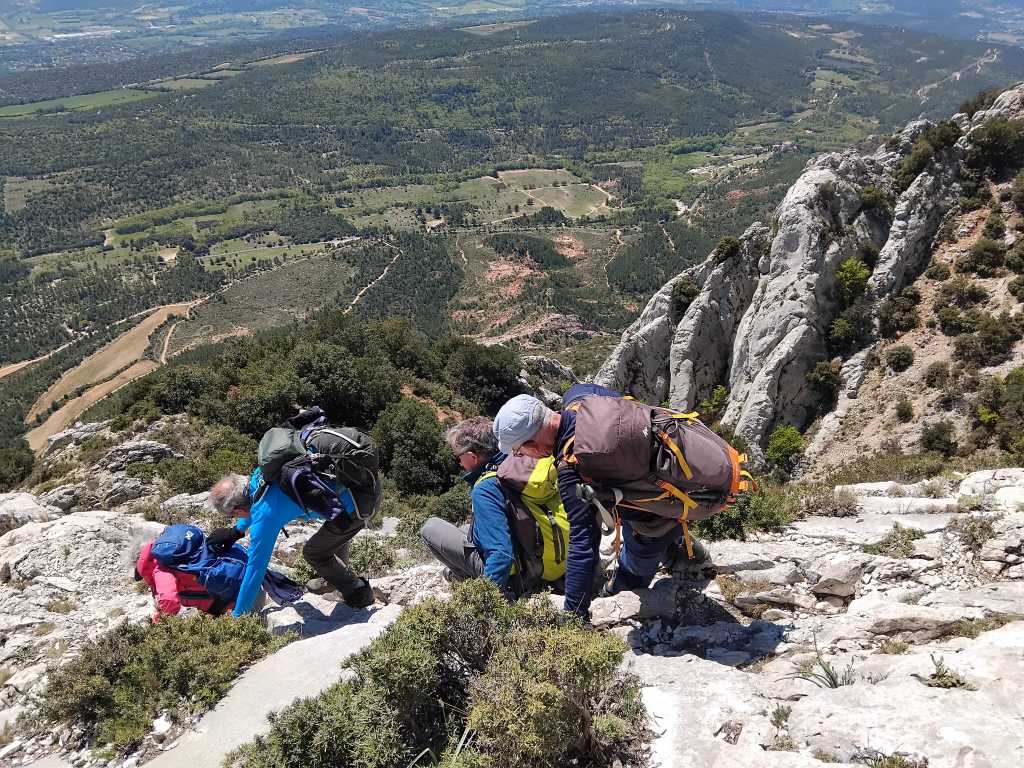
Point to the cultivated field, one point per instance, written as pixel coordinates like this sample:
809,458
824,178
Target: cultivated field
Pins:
288,293
66,415
88,101
125,349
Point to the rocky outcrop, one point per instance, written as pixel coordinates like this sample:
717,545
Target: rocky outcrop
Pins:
135,452
786,291
17,509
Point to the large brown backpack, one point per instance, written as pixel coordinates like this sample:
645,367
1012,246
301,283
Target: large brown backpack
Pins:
663,465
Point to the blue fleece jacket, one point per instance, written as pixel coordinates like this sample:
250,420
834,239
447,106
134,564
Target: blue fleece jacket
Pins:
267,517
489,529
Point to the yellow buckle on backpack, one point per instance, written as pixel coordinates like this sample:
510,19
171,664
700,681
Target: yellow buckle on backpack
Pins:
688,504
678,454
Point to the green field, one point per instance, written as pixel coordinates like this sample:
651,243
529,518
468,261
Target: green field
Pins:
185,84
88,101
531,178
574,201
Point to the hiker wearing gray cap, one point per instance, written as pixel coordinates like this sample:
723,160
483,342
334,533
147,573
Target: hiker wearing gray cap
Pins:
526,427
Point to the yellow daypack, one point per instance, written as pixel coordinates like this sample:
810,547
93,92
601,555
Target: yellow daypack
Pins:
537,518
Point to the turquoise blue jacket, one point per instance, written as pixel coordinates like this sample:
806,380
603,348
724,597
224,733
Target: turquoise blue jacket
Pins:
267,517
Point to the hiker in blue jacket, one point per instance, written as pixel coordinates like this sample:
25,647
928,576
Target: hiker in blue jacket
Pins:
266,516
484,546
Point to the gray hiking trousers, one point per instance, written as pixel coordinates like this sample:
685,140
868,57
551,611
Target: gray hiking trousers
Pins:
452,546
327,551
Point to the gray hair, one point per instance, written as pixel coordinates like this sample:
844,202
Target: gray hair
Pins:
476,435
229,492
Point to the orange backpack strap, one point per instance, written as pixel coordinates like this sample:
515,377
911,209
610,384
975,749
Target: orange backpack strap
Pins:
684,518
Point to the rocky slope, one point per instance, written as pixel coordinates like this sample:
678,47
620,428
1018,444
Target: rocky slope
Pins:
761,320
720,647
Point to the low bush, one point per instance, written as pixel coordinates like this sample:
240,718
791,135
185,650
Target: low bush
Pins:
938,272
1018,191
984,100
995,227
973,531
872,198
899,358
1016,288
904,411
985,259
727,247
961,292
121,680
1015,258
953,322
918,159
785,447
899,542
998,412
473,681
898,314
852,279
762,510
372,556
936,374
939,437
991,340
684,291
825,380
852,329
997,145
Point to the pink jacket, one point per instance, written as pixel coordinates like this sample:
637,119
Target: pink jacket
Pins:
172,589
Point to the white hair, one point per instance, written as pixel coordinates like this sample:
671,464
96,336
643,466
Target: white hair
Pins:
229,492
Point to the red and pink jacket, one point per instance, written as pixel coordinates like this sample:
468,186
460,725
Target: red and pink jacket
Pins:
172,589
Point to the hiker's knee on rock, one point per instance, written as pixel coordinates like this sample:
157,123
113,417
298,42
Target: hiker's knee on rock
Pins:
431,529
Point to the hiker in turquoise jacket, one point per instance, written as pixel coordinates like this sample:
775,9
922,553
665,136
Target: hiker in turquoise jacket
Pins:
484,547
266,517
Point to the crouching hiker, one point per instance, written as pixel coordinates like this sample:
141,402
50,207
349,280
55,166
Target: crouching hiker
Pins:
182,571
518,528
310,472
623,466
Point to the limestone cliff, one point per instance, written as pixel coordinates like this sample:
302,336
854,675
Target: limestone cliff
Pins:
761,319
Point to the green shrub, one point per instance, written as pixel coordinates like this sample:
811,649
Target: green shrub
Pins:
1015,258
872,198
120,681
1018,191
529,687
899,542
372,555
995,227
899,358
785,446
762,510
953,322
486,376
825,380
939,437
918,159
711,407
999,412
15,464
852,279
869,253
991,339
961,292
997,145
453,505
684,291
411,448
937,374
1016,287
985,258
727,248
904,411
852,329
938,272
898,314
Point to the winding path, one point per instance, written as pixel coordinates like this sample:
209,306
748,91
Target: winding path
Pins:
373,282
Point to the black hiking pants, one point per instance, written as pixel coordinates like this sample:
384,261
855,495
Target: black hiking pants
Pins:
327,552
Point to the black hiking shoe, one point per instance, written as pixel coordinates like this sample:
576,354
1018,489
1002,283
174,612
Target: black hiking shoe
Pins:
361,597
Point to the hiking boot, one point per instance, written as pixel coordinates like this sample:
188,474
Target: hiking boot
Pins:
679,562
361,597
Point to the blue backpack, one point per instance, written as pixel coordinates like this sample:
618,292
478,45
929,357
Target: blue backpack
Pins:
184,548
